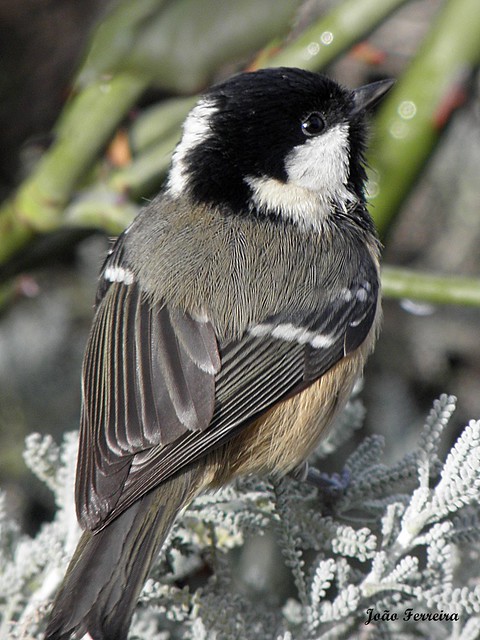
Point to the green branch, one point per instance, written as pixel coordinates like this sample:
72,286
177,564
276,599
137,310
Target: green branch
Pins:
83,130
332,35
410,120
425,287
140,44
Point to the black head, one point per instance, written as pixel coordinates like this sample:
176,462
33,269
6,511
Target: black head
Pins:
270,139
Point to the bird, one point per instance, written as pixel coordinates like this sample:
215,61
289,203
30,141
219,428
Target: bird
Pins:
232,319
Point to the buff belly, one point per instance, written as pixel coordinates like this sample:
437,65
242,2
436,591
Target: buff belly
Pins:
284,437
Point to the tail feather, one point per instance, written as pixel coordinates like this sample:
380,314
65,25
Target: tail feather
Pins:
109,568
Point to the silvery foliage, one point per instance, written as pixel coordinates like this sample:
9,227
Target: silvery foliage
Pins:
384,539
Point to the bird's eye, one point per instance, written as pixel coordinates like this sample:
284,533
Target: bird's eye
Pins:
314,124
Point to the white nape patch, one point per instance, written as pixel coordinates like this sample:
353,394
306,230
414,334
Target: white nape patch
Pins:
291,333
196,129
118,274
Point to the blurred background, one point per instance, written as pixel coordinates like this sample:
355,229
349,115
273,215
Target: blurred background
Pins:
91,98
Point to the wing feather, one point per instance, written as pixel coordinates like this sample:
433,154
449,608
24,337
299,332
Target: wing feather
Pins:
148,379
159,392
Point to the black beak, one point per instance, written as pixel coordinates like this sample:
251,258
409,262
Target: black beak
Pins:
367,96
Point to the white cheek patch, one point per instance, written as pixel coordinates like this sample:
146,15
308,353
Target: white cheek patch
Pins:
321,164
196,129
317,177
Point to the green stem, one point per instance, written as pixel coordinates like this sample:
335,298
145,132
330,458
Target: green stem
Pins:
346,24
145,171
158,122
410,121
425,287
85,127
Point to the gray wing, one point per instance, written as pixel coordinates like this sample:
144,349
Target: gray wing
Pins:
159,392
148,379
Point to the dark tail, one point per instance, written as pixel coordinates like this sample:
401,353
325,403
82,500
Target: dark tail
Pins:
109,568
